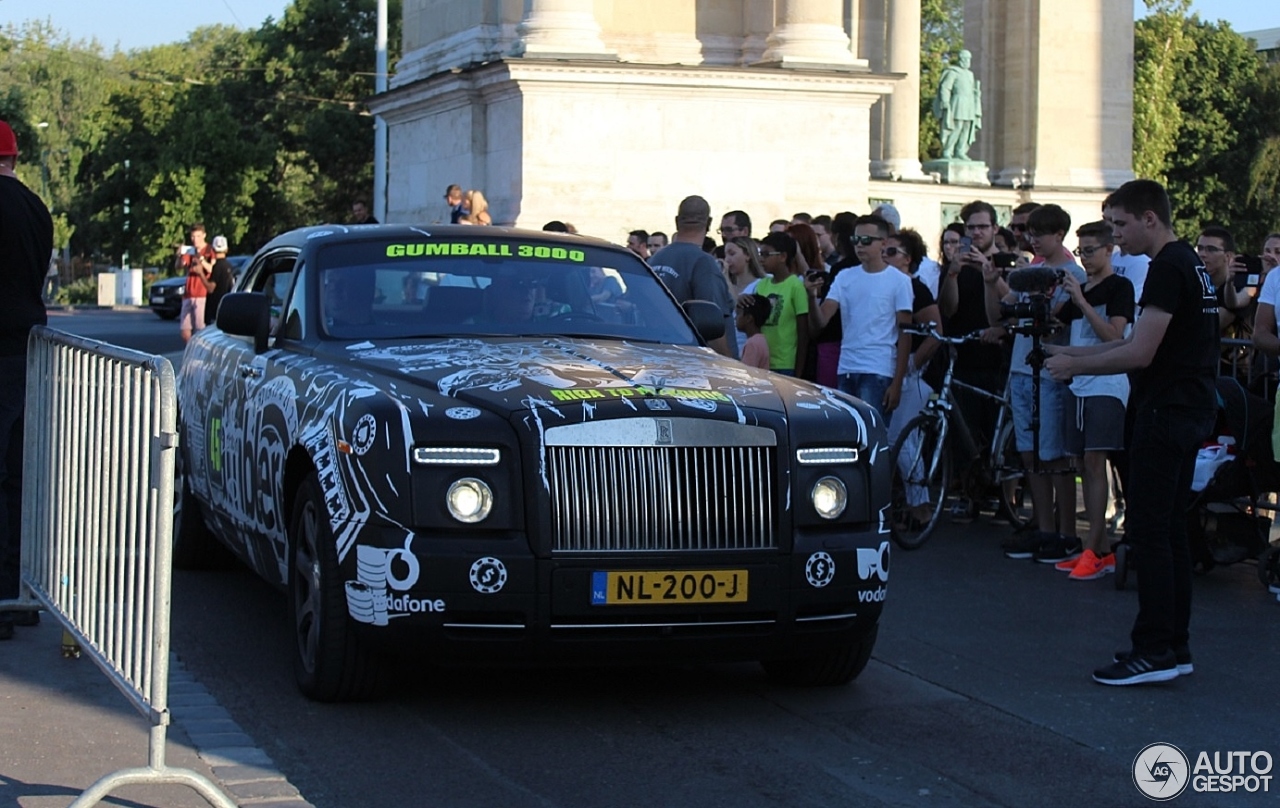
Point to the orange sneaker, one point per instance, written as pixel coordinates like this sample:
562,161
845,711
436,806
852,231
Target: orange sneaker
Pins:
1068,564
1090,566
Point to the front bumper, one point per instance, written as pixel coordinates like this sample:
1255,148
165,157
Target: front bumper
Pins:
492,600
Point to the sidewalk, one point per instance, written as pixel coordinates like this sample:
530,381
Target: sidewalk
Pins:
64,725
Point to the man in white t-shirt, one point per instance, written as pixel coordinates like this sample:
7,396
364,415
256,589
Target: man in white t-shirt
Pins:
874,303
1133,267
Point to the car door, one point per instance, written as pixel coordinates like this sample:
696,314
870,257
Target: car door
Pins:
249,414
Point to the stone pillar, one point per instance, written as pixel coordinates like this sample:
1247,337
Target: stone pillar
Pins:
560,28
810,33
902,109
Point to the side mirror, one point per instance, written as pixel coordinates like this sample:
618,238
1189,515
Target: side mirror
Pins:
707,318
246,314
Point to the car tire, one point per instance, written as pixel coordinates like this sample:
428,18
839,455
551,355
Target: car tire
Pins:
330,662
194,545
839,666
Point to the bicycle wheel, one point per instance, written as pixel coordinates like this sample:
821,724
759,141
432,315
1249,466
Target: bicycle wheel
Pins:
1010,478
921,474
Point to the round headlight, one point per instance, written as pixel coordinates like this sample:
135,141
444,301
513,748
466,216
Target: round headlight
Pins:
829,497
470,500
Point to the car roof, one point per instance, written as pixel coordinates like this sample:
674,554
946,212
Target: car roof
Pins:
330,233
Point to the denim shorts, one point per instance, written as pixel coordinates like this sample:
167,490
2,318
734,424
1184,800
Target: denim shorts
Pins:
1053,416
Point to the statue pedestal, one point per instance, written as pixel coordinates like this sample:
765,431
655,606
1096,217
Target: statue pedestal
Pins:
959,172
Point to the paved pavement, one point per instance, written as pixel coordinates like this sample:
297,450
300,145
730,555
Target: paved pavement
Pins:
64,725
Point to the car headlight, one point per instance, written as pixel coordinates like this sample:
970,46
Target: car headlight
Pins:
470,500
829,497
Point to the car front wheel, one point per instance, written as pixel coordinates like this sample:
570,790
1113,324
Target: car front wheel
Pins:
838,666
330,663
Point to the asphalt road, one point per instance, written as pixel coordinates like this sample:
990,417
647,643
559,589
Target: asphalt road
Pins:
978,694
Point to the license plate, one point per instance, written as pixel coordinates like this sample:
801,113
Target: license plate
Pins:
668,587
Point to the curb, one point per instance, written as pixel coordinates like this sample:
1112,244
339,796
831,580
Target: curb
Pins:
243,768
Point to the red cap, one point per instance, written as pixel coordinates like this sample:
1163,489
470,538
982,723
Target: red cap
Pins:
8,143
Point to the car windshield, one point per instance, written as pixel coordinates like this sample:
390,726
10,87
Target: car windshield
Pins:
428,288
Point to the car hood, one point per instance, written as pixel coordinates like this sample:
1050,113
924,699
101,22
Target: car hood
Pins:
606,378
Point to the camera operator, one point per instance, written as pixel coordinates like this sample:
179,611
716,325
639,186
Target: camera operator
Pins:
1172,355
1032,293
1100,311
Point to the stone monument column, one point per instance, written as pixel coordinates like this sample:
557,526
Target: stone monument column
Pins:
809,33
560,28
902,109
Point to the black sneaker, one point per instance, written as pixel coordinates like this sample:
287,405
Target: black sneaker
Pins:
25,618
1181,655
1058,548
1139,669
1023,545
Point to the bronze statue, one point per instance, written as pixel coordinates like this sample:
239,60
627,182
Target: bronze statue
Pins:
958,108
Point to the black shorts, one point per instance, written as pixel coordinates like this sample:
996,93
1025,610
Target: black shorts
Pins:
1094,424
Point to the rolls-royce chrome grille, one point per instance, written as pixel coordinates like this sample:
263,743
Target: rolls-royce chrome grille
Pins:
661,485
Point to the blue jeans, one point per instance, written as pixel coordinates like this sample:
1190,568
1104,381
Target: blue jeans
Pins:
867,386
1162,458
13,401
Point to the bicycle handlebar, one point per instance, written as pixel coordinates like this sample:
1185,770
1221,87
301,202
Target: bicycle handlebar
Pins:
931,330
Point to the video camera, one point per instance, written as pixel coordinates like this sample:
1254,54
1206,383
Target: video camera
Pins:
1037,283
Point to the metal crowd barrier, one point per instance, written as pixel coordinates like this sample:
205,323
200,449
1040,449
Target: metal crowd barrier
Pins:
1253,372
97,520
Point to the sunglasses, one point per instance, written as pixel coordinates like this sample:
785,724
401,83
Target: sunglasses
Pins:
1018,228
769,253
892,251
866,241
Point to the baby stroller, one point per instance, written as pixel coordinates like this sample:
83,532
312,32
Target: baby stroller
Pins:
1230,516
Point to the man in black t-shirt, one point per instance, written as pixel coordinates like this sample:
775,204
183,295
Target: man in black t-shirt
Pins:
26,240
1172,355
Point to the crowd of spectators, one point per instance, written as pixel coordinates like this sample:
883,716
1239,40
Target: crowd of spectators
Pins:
825,298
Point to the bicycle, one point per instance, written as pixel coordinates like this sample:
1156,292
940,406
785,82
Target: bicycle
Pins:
922,462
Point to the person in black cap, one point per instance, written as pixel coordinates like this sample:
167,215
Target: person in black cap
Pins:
26,241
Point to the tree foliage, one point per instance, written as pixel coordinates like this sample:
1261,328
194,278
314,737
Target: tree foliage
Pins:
941,39
1198,123
251,132
1161,46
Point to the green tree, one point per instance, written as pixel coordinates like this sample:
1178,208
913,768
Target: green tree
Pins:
1201,122
51,86
1264,170
174,147
318,69
941,39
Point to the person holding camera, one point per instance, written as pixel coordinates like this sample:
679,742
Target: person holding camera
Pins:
197,261
1216,248
1099,311
1172,356
1036,294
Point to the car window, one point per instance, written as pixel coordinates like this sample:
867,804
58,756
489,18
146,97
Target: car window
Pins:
372,290
272,275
